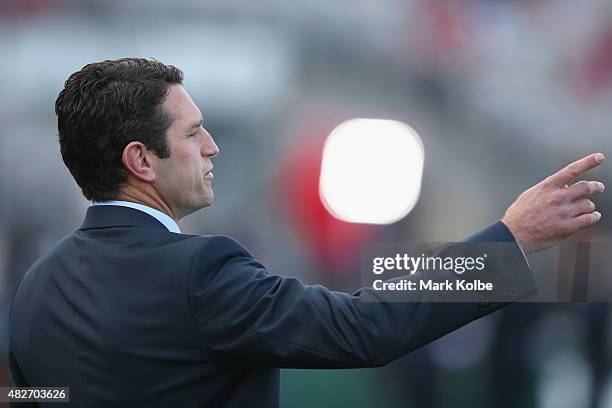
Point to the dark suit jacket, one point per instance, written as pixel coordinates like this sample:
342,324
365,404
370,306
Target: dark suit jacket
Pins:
127,313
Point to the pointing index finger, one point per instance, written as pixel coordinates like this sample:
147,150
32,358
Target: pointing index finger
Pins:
574,170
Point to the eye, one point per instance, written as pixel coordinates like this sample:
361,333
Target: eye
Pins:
193,134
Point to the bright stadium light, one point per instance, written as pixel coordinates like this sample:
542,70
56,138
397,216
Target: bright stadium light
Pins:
371,171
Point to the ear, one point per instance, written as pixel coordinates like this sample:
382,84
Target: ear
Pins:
138,160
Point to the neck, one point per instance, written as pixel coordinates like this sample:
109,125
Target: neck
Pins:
147,196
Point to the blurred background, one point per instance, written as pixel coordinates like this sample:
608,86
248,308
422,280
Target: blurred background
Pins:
502,92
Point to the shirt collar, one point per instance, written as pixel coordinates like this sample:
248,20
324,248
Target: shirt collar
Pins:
168,222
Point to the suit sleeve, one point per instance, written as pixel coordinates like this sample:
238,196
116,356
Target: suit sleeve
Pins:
249,316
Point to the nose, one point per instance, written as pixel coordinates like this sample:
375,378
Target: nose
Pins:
209,148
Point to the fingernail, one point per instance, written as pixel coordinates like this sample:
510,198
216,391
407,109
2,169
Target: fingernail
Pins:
601,186
598,215
600,157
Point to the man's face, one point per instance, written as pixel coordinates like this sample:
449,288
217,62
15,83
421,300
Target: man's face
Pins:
184,180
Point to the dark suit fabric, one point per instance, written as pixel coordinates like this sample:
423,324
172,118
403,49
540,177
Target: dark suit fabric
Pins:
127,313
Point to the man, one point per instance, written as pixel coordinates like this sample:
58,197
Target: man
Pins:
127,311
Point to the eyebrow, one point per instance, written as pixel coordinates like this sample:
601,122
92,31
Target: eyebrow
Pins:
196,125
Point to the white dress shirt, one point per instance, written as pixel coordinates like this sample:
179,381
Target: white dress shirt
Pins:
158,215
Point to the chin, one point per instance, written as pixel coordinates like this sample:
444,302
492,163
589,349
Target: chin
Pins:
208,201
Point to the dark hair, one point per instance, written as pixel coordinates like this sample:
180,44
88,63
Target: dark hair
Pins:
105,106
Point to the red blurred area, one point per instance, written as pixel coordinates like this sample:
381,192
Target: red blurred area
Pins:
334,244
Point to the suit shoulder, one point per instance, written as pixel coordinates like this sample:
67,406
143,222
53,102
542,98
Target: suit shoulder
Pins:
215,253
46,257
219,248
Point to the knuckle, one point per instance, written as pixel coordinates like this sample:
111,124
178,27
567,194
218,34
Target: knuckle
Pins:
572,171
580,189
584,207
591,206
586,189
547,182
594,186
555,199
566,212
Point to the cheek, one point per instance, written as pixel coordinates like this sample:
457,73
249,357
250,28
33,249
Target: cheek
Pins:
188,160
188,173
173,175
184,169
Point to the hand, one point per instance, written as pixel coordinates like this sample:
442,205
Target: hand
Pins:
552,209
